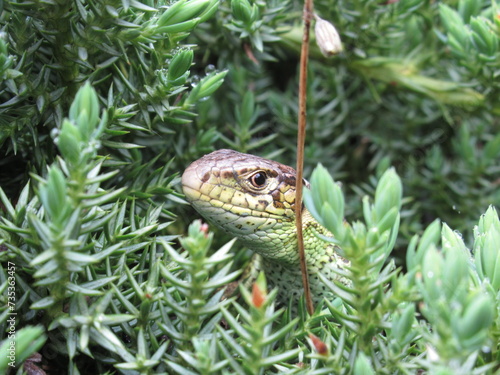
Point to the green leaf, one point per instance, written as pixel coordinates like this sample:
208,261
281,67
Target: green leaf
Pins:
278,335
402,326
43,257
96,284
43,303
236,326
6,202
115,319
492,149
80,289
206,87
79,257
180,369
468,8
180,64
182,11
104,198
53,196
85,111
388,194
277,358
487,257
242,11
450,17
325,201
179,27
432,267
70,142
209,11
138,5
477,318
484,36
27,341
430,238
362,365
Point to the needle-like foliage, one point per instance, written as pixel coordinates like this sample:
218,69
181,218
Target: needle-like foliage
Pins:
105,269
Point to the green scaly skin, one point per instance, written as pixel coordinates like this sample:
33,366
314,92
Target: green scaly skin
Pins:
253,199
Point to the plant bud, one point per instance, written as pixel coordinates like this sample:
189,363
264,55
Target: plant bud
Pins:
485,39
327,37
182,11
388,194
258,296
84,111
243,11
326,201
179,66
320,347
259,291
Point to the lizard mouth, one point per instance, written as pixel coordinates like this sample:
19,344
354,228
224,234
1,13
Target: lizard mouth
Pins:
191,183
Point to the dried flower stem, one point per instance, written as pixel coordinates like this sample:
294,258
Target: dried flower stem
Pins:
304,54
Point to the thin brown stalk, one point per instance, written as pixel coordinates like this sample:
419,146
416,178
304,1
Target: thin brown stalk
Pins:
304,54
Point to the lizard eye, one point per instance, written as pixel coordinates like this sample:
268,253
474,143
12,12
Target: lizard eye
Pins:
258,179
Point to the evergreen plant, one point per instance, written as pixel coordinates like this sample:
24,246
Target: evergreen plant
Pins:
104,267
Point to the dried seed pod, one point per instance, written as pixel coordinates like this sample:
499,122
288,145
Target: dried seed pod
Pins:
327,37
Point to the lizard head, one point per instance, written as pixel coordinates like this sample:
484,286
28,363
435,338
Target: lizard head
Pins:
250,197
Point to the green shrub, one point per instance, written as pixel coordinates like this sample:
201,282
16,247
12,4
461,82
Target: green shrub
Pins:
105,102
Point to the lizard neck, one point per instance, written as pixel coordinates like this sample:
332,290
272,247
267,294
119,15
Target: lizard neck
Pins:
280,245
285,273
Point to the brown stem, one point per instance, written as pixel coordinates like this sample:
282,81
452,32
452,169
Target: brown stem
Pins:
307,16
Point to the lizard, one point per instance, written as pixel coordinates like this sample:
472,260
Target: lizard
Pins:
254,200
